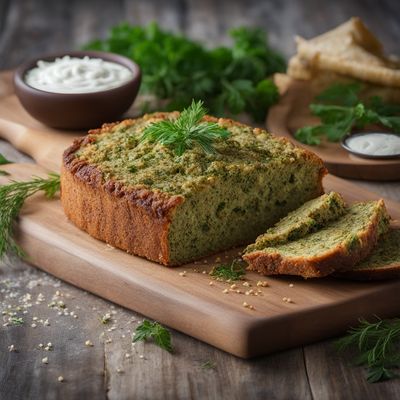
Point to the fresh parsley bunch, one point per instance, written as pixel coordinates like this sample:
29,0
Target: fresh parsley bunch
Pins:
341,110
229,80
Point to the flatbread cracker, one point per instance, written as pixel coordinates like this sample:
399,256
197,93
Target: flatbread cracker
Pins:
350,50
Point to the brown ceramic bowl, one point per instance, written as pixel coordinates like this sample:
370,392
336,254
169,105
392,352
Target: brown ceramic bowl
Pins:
77,110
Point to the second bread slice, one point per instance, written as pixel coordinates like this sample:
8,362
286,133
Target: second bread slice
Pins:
338,246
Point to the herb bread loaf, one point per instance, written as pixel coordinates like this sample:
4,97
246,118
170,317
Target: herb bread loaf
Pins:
311,216
383,263
143,198
340,245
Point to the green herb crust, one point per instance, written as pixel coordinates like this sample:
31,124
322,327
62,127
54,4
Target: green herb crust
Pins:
339,245
308,218
198,202
383,263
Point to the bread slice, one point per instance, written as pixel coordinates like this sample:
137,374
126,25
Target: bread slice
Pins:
310,217
383,263
338,246
351,50
140,197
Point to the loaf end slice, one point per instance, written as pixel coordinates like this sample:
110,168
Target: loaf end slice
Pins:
383,263
311,216
338,246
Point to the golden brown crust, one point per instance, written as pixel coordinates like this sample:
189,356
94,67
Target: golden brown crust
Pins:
134,219
337,259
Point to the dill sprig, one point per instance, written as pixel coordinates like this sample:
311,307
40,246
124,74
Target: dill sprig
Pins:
153,330
186,131
4,160
12,198
233,271
378,347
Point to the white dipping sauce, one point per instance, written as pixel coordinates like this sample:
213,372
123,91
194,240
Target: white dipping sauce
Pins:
77,75
375,144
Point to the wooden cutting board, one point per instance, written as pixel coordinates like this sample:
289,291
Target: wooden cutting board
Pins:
320,308
292,112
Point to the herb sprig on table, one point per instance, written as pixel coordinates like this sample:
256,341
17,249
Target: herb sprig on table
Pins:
341,110
153,330
3,161
12,198
233,271
378,345
177,69
186,131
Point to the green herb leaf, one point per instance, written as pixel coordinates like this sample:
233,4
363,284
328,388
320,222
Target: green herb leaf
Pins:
233,271
153,330
377,344
337,120
186,131
4,160
176,69
16,321
12,197
341,94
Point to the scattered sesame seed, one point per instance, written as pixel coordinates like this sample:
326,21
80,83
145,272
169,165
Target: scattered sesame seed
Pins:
33,325
11,348
182,273
225,291
249,306
246,284
60,379
141,356
120,370
40,346
88,343
262,283
211,283
234,286
45,360
291,285
127,355
34,318
204,272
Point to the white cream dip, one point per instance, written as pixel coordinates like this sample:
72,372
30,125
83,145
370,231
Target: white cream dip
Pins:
375,144
77,75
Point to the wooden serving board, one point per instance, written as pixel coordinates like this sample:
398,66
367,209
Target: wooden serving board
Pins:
320,308
292,112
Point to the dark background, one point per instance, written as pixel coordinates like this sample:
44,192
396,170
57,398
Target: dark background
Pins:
33,27
30,27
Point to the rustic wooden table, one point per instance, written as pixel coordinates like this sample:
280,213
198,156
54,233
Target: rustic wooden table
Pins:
112,367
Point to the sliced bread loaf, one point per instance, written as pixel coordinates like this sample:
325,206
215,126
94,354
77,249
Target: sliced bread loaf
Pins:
142,197
340,245
383,263
310,217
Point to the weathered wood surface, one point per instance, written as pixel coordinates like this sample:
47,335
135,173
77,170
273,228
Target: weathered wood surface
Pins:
312,372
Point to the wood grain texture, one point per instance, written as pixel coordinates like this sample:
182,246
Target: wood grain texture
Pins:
188,303
292,112
32,27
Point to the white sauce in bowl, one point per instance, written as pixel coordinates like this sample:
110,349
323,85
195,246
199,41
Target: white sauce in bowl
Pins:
77,75
375,144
